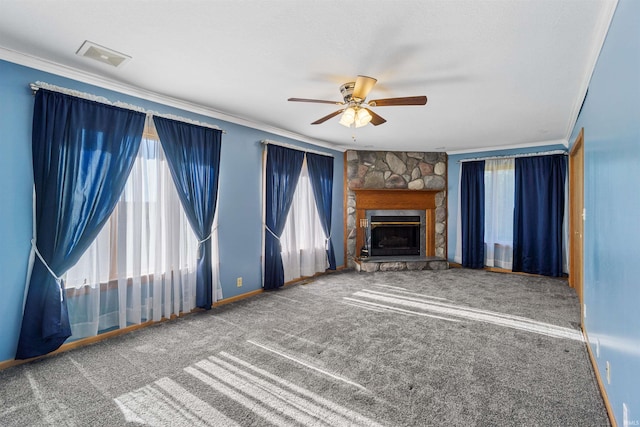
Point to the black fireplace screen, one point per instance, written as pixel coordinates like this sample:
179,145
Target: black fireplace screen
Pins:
395,235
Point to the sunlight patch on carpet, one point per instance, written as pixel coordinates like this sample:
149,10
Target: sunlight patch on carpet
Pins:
307,365
350,417
389,308
405,291
165,402
501,319
272,398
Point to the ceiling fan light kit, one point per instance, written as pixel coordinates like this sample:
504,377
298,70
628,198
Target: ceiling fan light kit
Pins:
348,117
356,116
362,117
355,112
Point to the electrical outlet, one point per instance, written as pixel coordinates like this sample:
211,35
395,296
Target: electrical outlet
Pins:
239,282
608,372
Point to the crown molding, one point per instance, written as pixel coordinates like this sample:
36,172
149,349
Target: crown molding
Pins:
602,29
92,79
562,142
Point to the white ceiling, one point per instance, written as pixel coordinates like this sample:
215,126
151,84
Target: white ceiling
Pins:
498,74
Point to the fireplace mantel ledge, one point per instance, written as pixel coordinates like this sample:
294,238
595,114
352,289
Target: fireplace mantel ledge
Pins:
395,198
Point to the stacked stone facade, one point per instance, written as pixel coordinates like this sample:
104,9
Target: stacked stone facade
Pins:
397,170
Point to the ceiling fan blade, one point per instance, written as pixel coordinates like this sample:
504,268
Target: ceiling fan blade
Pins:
327,117
407,100
375,119
363,86
317,101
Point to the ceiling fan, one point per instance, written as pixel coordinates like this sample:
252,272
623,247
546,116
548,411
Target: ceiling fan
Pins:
356,109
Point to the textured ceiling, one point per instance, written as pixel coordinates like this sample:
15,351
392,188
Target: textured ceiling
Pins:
497,74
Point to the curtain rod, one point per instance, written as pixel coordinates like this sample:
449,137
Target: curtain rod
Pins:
41,85
294,147
513,156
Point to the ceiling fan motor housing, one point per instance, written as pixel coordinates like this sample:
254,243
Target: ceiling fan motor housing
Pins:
347,91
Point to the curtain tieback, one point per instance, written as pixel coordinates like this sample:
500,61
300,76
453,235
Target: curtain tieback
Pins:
272,233
200,242
58,279
326,241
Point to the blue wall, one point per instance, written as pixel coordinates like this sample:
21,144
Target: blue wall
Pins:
611,121
453,185
240,193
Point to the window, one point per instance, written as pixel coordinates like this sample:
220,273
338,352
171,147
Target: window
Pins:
498,212
303,242
142,264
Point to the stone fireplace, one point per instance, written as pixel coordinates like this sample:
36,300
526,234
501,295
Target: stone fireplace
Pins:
396,208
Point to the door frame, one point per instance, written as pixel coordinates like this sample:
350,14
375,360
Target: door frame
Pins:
576,218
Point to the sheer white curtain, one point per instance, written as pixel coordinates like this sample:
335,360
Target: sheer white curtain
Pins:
457,256
499,180
303,242
142,265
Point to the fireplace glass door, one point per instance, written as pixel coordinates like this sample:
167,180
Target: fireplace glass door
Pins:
395,235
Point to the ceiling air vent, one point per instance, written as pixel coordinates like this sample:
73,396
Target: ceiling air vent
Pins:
102,54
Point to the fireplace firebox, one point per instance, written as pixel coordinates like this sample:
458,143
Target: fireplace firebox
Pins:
394,235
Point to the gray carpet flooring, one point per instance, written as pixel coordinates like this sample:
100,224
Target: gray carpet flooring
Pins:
410,348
